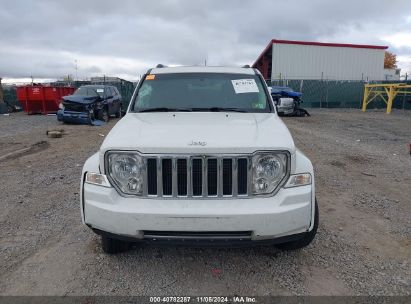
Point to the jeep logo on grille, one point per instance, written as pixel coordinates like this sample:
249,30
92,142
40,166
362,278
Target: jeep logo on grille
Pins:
197,143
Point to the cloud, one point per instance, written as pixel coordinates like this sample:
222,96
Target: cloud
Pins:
398,40
125,38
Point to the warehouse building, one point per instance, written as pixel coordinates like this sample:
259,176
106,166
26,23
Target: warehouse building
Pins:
286,59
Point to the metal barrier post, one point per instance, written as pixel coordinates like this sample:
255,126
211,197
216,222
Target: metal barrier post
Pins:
364,101
391,96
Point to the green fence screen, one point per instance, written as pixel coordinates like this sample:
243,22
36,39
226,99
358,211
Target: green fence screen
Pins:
316,93
338,93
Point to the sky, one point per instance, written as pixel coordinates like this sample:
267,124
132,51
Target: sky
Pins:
48,39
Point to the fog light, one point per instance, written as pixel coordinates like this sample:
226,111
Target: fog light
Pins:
134,184
298,180
261,184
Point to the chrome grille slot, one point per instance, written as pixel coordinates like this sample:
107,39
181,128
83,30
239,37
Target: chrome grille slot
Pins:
227,176
181,177
151,176
196,177
167,175
212,177
242,176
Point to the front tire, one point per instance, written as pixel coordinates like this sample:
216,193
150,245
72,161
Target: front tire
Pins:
113,246
118,113
103,115
307,239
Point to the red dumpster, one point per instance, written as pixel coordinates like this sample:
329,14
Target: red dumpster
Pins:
42,99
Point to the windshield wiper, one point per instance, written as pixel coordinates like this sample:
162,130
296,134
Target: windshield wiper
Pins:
212,109
163,109
218,109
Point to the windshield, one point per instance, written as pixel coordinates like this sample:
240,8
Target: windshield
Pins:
201,92
83,91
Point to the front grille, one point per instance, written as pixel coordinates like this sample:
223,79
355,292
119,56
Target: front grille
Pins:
75,107
197,235
197,176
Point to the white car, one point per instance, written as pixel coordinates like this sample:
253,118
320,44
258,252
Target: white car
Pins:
201,158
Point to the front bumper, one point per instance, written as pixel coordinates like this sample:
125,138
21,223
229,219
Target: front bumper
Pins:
285,109
73,117
288,213
201,241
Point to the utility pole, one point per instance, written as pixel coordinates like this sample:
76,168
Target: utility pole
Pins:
404,98
75,61
1,93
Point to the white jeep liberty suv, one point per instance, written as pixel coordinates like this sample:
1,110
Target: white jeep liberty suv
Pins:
201,158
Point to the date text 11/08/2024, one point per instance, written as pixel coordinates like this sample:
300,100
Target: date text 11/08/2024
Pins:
203,299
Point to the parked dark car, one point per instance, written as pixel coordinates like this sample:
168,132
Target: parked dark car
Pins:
90,103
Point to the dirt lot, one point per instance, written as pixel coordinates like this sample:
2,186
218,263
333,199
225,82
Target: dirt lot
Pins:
363,172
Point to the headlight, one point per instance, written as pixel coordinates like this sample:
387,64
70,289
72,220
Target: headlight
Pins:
126,171
61,107
269,169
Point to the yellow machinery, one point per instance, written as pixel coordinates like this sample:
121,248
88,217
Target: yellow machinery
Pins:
387,92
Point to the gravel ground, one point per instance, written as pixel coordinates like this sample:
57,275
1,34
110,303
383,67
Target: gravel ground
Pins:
363,175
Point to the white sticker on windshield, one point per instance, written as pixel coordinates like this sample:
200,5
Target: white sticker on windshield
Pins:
100,90
245,86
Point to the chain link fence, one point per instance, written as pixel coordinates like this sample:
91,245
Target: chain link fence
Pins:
316,93
338,93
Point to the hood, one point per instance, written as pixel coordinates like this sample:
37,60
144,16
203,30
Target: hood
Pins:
199,132
292,94
285,91
80,99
